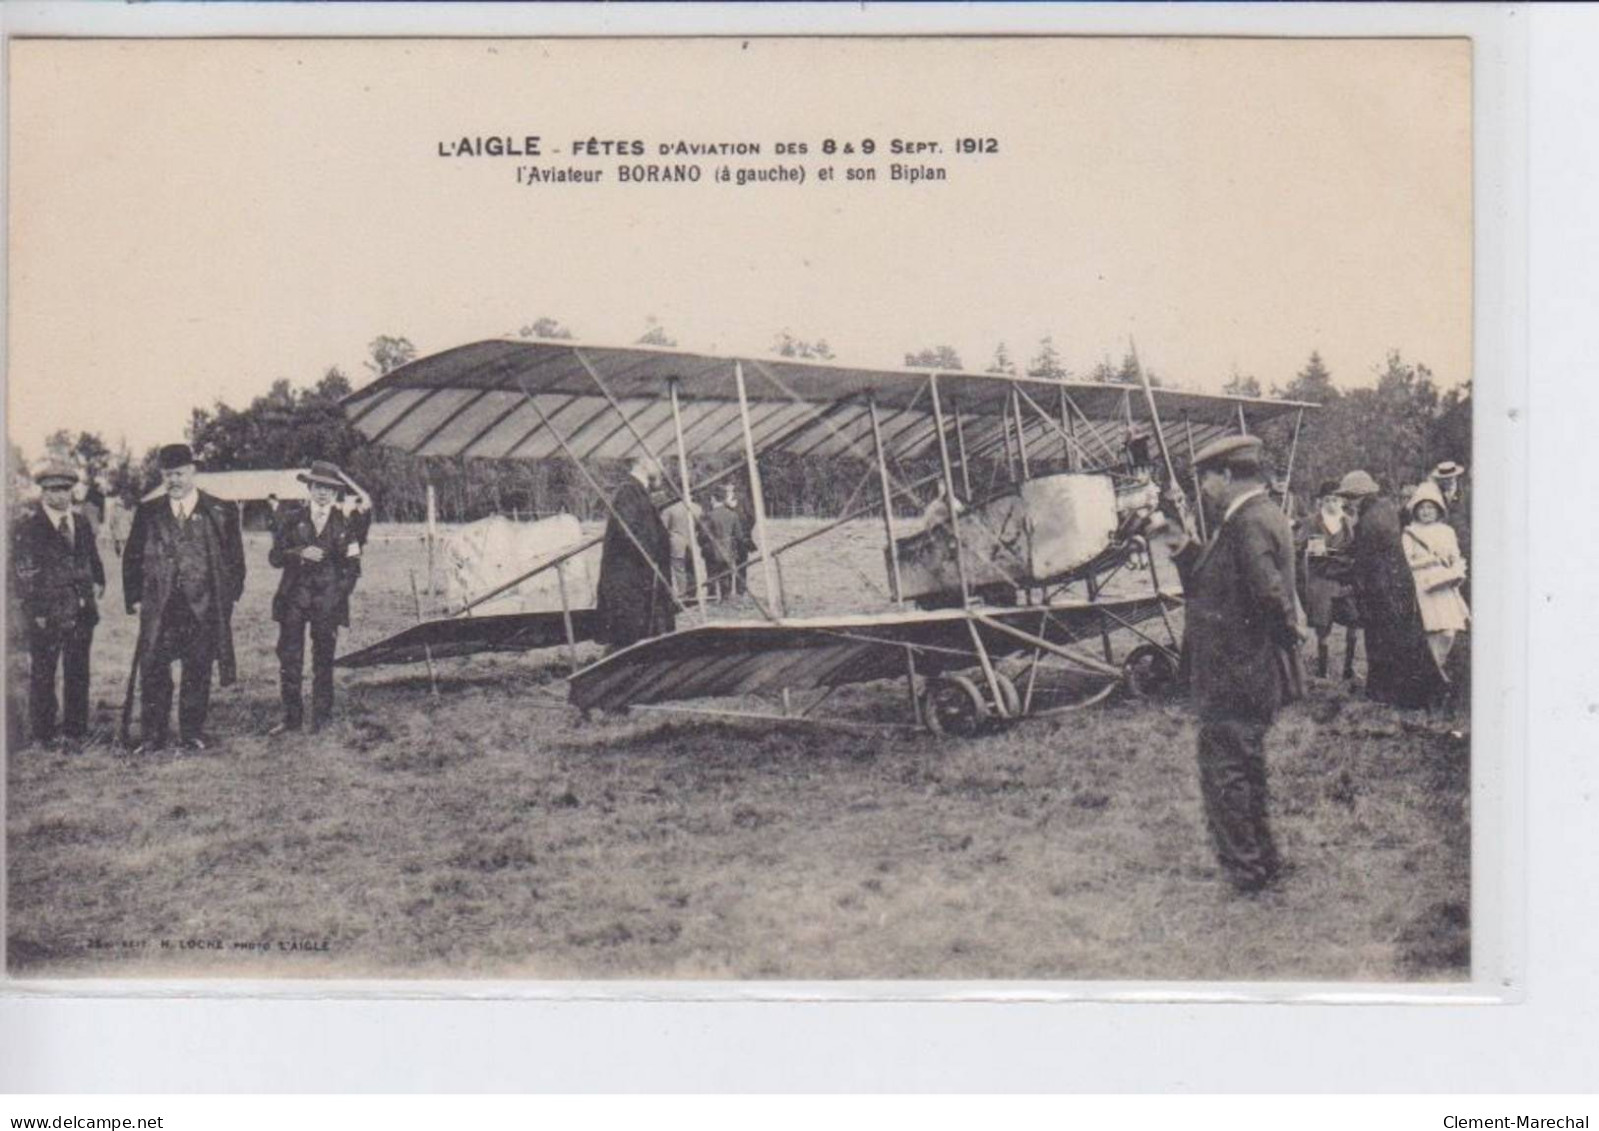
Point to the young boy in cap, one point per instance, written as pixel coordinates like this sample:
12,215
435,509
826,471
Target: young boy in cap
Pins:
1243,639
59,580
182,572
318,548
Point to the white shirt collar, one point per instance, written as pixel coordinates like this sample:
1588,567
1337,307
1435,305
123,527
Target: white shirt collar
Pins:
56,516
1233,506
184,507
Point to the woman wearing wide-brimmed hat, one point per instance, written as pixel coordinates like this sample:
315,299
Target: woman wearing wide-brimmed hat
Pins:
1439,570
1399,666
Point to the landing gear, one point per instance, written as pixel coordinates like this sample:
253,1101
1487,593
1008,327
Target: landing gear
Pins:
957,704
1150,673
953,705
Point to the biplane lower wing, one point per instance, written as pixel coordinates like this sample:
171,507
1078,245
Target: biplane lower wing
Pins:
469,636
732,658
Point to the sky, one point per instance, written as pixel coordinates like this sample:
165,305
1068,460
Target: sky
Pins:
192,220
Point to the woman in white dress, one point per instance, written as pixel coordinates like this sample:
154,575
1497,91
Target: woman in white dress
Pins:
1439,569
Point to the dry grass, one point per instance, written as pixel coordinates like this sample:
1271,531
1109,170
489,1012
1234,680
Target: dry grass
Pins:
490,832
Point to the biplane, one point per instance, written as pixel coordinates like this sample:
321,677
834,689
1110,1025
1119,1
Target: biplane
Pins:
1026,573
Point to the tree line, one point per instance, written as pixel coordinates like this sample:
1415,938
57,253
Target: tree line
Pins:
1397,429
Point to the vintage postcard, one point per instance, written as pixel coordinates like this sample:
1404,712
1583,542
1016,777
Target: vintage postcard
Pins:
941,509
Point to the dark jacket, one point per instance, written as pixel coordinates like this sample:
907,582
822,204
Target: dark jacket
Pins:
1399,666
1324,579
1241,633
724,537
150,568
55,581
633,600
320,590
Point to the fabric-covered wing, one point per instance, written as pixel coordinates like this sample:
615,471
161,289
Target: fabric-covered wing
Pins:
479,400
467,636
751,657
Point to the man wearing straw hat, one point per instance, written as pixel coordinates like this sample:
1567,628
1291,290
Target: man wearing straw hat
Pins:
59,580
318,548
1243,638
182,572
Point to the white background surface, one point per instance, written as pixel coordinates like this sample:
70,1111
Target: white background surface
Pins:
1549,1041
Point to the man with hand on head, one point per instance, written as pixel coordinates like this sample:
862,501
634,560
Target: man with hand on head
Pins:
634,596
318,549
1243,638
59,579
182,571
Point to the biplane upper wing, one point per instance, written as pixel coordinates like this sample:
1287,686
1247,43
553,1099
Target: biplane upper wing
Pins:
508,399
731,658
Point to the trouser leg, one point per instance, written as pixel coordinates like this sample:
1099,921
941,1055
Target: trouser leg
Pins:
1232,778
1321,652
291,665
75,682
1351,639
45,649
324,638
194,692
155,695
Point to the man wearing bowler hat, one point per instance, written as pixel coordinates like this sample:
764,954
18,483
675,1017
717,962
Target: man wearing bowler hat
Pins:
59,580
1243,637
318,548
183,571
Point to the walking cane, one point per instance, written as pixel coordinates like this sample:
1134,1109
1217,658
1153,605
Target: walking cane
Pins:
124,728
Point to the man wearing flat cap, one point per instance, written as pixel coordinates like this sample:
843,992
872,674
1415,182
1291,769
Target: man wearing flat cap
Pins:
1243,641
318,548
59,580
183,571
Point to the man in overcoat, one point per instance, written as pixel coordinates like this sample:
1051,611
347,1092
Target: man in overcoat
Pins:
318,548
1399,667
182,571
634,595
1243,638
59,579
726,544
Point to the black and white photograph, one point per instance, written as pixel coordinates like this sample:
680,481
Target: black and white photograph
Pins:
874,509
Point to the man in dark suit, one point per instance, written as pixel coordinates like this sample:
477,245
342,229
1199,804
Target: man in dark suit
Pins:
634,596
318,548
59,580
1243,638
726,545
182,571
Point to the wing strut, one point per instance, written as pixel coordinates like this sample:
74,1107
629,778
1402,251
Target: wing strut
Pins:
604,498
1293,446
757,493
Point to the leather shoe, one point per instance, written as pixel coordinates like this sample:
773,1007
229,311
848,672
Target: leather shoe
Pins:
194,743
282,729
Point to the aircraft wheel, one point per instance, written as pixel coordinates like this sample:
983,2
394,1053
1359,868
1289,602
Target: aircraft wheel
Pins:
1009,698
1150,673
953,705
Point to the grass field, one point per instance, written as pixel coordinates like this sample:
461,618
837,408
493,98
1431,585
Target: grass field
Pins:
488,831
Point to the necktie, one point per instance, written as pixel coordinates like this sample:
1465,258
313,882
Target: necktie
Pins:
65,526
